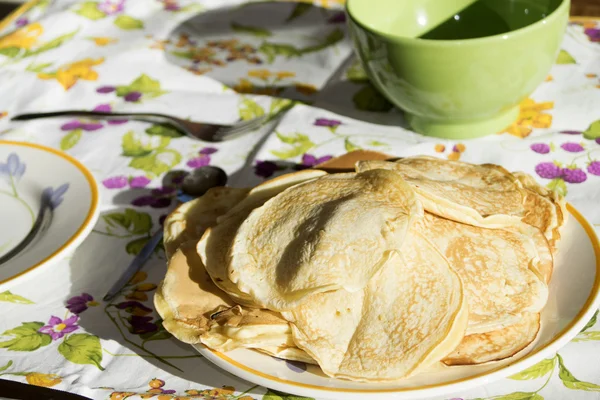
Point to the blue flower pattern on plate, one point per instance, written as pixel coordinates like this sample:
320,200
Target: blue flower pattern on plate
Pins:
55,196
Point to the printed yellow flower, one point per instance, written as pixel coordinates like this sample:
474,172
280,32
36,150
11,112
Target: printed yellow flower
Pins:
531,115
24,38
120,395
3,114
459,148
68,75
549,78
591,75
440,148
39,379
454,156
285,74
104,41
245,86
263,74
139,277
306,88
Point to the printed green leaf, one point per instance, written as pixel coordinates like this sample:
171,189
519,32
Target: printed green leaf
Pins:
274,395
132,146
158,162
26,337
369,99
89,10
293,138
552,146
349,146
163,130
70,139
536,371
144,84
82,348
9,297
250,109
298,149
558,185
571,382
331,39
356,73
128,23
38,67
519,396
589,335
7,366
10,51
278,105
593,131
377,143
591,322
299,10
565,58
52,44
183,54
272,50
135,246
250,30
132,221
194,7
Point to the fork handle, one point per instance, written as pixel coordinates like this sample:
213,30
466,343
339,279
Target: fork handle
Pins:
155,118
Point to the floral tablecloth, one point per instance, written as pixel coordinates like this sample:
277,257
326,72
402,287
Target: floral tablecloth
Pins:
217,61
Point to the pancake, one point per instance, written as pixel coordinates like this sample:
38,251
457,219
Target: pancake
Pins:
481,195
409,316
544,208
501,269
330,233
190,220
287,353
496,345
215,245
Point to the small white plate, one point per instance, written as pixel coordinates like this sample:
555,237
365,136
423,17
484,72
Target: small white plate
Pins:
26,170
574,297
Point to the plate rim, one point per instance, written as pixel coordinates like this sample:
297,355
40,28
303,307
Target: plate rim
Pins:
92,214
582,317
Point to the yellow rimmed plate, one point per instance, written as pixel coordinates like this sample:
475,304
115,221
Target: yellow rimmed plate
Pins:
26,171
574,297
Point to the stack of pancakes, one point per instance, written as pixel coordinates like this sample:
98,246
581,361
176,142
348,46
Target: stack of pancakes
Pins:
374,274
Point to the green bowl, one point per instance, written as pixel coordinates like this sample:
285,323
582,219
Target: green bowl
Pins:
466,77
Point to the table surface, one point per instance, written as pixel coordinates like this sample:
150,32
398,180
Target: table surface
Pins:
220,65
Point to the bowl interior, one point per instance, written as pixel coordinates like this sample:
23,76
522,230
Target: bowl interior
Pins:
449,19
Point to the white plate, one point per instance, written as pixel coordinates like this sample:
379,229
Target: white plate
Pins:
26,170
574,297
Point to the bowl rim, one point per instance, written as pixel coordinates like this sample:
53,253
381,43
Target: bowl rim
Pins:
554,15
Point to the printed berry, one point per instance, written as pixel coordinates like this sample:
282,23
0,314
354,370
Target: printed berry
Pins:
541,148
594,168
573,175
156,383
548,170
572,147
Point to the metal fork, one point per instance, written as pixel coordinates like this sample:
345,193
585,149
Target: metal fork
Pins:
195,130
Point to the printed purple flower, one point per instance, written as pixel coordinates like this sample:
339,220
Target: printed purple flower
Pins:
593,34
57,328
78,304
572,147
87,126
575,175
111,7
598,140
571,132
55,196
548,170
139,182
308,160
133,97
158,198
265,168
198,162
329,123
208,150
13,170
106,89
115,182
141,324
594,168
171,5
21,22
541,148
